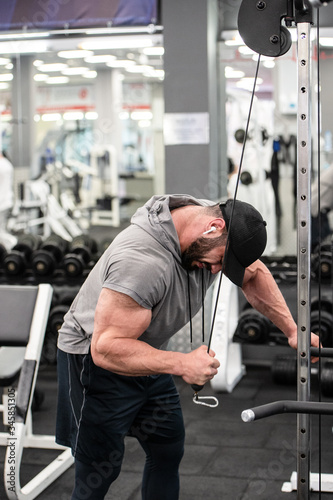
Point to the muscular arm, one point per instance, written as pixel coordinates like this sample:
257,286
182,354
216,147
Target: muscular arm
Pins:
119,322
263,294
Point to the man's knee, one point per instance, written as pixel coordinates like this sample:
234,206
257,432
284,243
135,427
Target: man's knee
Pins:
93,481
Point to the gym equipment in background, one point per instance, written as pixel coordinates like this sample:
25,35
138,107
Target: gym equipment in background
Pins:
227,352
22,336
17,260
47,258
81,253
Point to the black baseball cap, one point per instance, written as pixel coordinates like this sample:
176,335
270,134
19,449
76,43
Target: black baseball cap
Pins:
247,238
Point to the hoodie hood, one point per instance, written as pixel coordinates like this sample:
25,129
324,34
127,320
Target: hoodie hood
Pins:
155,218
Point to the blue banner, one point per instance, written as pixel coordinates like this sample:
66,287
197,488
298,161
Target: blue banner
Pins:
70,14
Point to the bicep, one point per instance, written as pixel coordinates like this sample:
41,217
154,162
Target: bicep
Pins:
259,285
118,315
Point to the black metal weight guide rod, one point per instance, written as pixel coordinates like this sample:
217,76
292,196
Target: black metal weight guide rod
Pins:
259,24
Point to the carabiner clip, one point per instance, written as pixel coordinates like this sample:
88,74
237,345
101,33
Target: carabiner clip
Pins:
200,400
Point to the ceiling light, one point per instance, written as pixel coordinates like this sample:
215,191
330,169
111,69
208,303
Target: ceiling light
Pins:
250,80
95,59
38,62
6,77
4,61
154,73
73,115
90,74
3,86
52,67
124,115
245,50
23,47
141,115
120,63
326,42
51,117
75,54
91,115
41,77
230,72
116,43
247,84
139,68
269,64
57,80
78,70
153,51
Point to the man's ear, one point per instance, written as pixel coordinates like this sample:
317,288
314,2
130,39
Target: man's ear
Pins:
215,226
219,224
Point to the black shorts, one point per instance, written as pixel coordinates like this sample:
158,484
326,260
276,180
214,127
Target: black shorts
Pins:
97,409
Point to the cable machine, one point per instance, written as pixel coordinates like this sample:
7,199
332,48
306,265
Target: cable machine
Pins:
259,24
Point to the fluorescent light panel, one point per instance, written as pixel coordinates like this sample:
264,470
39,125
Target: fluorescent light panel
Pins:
77,70
57,80
75,54
52,67
116,43
96,59
120,63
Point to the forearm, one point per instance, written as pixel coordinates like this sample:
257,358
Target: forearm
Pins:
132,357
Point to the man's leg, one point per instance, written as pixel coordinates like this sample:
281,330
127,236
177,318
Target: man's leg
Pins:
159,427
161,475
93,481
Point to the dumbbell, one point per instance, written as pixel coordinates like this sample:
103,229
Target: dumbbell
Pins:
3,253
57,313
252,328
246,178
321,261
47,258
82,250
284,372
18,259
322,320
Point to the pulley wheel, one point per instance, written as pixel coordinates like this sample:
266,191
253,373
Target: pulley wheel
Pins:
285,40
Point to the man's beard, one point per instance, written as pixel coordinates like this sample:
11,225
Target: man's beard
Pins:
197,252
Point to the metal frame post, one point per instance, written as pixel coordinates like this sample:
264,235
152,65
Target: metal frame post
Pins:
304,257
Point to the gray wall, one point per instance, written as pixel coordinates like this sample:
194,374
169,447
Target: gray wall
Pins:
191,85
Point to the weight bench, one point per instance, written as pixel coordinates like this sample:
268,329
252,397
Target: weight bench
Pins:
24,312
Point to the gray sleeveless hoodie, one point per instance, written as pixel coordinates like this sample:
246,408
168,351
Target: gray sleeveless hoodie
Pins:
144,262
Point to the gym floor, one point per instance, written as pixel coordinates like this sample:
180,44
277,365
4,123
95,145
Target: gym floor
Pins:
225,458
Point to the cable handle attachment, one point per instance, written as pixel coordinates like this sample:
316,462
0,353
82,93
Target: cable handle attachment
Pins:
203,400
197,387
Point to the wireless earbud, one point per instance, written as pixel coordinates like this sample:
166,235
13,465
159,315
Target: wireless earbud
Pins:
211,230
